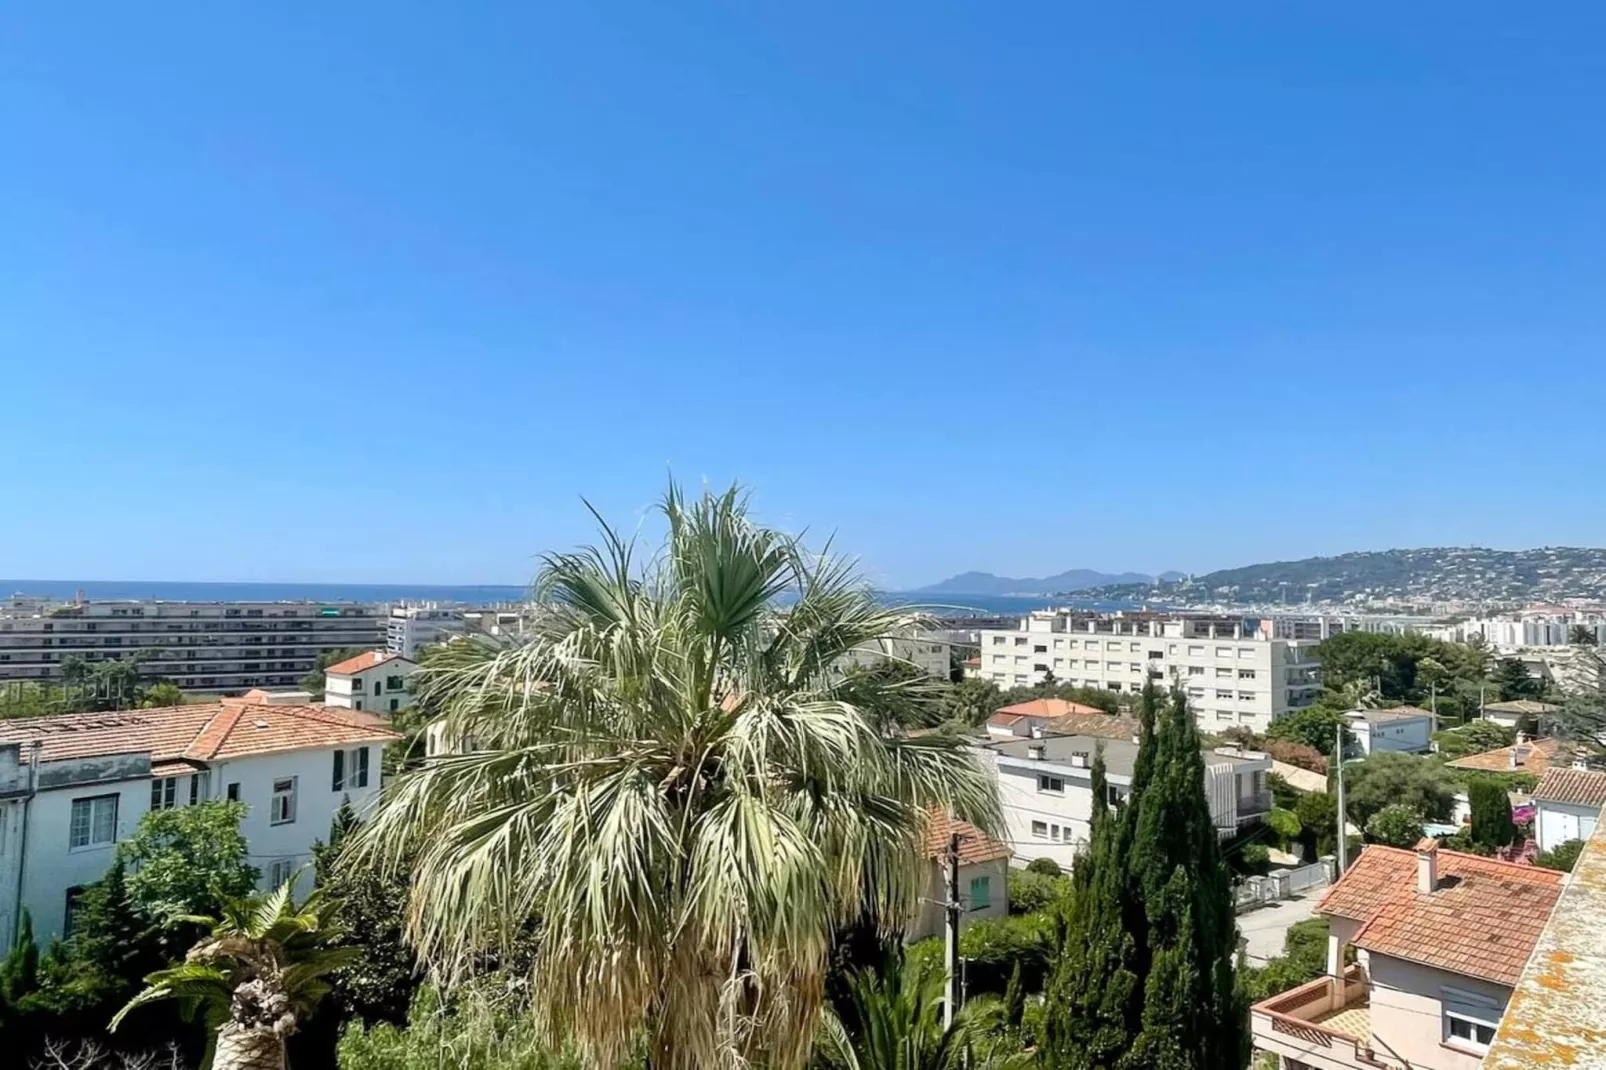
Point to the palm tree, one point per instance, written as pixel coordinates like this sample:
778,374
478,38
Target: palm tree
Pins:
255,977
674,794
892,1020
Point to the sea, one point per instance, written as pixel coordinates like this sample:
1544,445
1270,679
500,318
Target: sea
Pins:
468,595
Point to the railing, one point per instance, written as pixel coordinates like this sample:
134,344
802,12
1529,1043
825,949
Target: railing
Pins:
1254,805
1290,1014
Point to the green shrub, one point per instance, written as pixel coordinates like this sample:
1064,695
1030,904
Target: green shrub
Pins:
1563,856
1046,866
1030,892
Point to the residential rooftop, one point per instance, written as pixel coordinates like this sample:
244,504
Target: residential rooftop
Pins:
1583,787
232,728
1557,1013
1482,919
1044,707
1528,706
1393,713
974,845
368,659
1120,755
1533,756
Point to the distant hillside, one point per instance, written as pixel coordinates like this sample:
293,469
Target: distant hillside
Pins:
1416,577
1076,579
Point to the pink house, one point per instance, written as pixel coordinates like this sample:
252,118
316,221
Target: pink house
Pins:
1440,940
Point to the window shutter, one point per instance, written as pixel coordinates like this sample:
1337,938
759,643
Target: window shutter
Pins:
340,770
362,767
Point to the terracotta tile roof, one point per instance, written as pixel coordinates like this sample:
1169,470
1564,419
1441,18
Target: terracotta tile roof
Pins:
1049,707
231,728
1584,787
368,659
974,845
1534,756
1482,921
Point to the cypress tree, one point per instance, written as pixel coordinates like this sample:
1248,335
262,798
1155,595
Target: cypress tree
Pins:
1492,825
1144,979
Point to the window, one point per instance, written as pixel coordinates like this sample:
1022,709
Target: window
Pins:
1223,715
281,871
164,793
1090,644
75,899
1115,685
376,687
282,810
1112,646
1020,640
1246,674
394,683
197,788
1155,655
1054,833
1136,648
1246,696
1195,670
1223,674
1220,694
1196,692
1020,678
1060,662
351,769
1223,651
395,704
1040,829
1058,643
998,659
1112,794
1470,1020
1246,652
93,823
981,893
998,640
1039,648
232,792
1196,651
1051,783
358,704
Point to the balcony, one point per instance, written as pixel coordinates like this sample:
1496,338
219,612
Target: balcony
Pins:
1253,807
1325,1024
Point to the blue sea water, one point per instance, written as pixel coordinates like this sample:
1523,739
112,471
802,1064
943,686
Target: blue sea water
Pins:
473,595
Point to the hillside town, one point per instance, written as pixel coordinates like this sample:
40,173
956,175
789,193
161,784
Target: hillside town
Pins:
1395,809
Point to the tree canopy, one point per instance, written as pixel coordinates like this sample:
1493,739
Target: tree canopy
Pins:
1385,777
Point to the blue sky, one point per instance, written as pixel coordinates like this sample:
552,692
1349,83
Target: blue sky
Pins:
376,291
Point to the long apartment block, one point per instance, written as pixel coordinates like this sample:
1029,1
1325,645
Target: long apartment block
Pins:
215,647
1234,671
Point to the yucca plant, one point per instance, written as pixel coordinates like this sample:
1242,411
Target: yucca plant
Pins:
674,793
253,979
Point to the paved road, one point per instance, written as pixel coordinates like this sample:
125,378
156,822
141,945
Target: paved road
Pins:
1265,928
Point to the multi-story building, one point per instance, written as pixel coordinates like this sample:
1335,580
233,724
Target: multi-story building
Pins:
926,651
1231,672
72,786
214,647
1440,940
1046,793
375,681
409,627
1543,626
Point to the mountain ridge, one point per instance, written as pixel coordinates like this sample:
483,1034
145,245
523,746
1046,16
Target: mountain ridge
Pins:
1075,579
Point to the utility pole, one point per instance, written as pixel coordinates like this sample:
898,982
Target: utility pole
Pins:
1338,773
950,1003
1433,704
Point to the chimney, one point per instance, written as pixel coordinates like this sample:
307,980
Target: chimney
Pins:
1519,756
1036,752
1037,730
1079,759
1427,865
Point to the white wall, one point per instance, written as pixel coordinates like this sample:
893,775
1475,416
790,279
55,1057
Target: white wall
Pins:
1412,736
930,918
316,802
1022,804
51,866
1555,823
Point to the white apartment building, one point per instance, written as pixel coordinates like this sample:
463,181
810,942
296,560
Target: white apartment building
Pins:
1045,788
374,681
409,627
1231,673
926,651
1547,627
211,647
72,786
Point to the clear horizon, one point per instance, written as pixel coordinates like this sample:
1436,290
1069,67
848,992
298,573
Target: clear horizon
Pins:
363,292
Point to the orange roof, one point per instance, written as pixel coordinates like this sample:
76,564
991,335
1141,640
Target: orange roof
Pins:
1049,707
231,728
1482,921
974,845
1582,787
368,659
1535,757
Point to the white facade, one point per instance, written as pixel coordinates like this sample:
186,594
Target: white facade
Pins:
380,687
1403,729
1046,795
927,652
201,646
62,818
1551,627
1231,673
410,627
1557,822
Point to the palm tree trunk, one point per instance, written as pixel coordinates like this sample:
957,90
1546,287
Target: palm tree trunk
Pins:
243,1048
